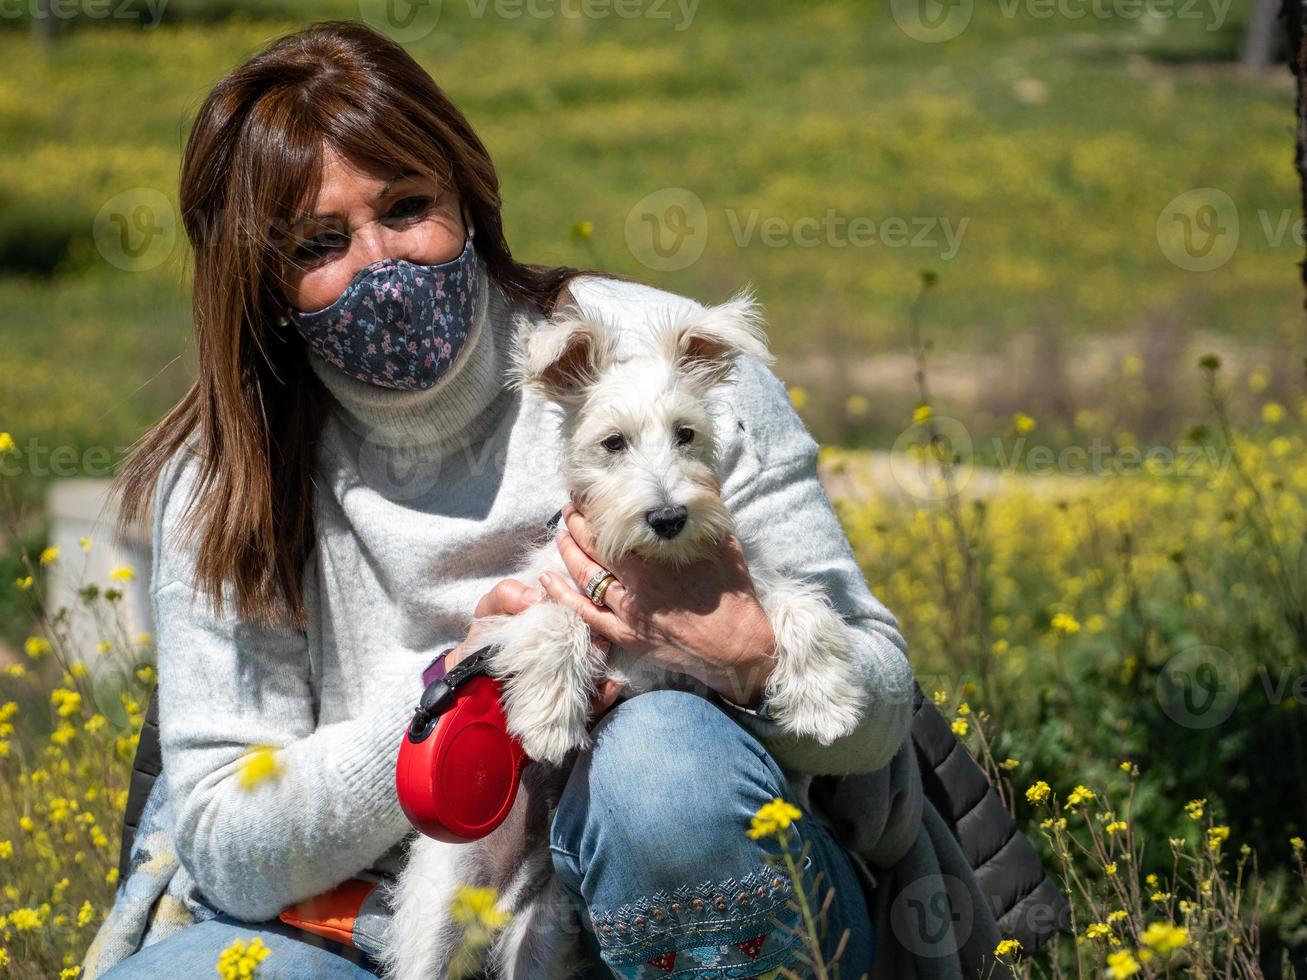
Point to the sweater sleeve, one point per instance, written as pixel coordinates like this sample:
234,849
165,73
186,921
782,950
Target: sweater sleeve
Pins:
326,807
770,484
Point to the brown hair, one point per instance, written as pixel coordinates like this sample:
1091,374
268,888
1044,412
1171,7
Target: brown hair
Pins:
252,165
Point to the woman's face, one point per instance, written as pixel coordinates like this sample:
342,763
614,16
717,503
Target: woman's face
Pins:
357,220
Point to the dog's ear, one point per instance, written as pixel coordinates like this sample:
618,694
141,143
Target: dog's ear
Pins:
706,345
560,358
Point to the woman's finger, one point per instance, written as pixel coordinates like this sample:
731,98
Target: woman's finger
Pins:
582,568
607,694
601,621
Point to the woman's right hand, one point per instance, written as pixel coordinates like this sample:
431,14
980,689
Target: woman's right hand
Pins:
508,598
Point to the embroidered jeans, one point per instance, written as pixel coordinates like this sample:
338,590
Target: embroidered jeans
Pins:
649,840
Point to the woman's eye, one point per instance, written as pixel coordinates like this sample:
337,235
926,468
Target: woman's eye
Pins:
614,443
410,207
684,435
317,249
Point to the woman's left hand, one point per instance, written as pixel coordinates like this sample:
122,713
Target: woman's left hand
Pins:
703,620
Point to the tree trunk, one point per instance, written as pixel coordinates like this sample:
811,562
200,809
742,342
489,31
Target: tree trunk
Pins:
1293,12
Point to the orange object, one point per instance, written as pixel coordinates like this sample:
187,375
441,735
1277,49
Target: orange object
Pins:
332,914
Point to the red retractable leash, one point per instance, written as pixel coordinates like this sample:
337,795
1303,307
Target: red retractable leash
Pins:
459,768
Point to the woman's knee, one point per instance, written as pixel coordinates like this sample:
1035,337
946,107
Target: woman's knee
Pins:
669,774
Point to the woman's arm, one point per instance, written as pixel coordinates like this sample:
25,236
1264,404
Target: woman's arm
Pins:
768,461
329,807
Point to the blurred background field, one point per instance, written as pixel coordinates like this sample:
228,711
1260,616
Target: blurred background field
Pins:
1063,315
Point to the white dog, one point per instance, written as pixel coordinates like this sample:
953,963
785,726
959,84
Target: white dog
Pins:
641,457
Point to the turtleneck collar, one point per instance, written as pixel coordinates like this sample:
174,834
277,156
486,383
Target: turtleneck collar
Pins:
459,409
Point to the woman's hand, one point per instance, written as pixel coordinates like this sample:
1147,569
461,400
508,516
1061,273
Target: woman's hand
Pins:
508,598
703,620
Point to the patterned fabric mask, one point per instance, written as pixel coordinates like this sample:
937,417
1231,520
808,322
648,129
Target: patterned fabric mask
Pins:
398,324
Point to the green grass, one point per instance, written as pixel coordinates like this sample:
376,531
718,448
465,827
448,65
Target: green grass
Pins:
792,110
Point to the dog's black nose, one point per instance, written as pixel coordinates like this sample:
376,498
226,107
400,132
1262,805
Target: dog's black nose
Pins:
667,521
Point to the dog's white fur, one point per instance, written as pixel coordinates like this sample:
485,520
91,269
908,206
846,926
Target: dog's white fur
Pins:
544,656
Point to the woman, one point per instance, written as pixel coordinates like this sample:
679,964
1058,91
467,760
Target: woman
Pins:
334,506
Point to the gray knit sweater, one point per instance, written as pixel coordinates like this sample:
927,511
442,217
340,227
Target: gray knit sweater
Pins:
423,502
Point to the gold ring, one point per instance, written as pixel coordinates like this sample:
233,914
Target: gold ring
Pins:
601,588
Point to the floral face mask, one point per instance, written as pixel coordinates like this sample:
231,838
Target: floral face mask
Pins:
398,324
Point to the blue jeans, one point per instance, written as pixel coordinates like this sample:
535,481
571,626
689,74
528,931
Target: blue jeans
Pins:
649,841
295,955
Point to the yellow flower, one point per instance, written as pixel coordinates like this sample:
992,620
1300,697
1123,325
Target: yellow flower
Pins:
239,960
1125,766
773,817
6,443
1007,947
6,849
23,584
145,674
143,638
260,765
964,708
1121,964
857,405
583,230
1009,764
1165,938
1109,869
798,397
477,907
85,914
66,701
8,710
940,699
1216,835
1272,412
1079,795
1297,844
85,543
1116,915
50,554
1115,826
1038,793
1195,808
123,573
1065,623
922,412
4,953
1098,930
16,670
960,727
1023,422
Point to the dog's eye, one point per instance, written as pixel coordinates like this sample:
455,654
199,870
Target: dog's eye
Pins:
684,435
614,443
